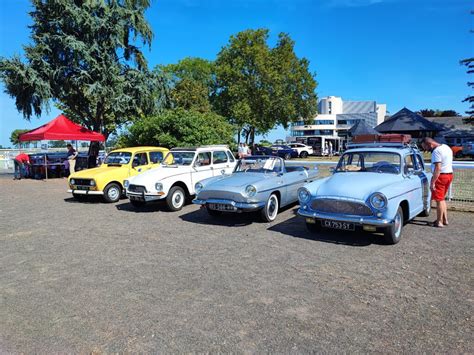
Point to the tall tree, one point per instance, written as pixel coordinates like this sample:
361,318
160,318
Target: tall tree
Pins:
469,63
84,58
15,135
258,87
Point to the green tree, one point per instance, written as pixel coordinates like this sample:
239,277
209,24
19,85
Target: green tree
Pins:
258,87
438,113
84,58
191,82
57,144
179,127
15,135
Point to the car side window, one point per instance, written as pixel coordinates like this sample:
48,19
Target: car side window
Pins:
231,157
203,159
156,157
140,159
219,157
421,164
409,163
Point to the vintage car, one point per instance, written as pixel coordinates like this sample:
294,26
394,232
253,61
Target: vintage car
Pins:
377,187
278,150
107,179
181,169
263,183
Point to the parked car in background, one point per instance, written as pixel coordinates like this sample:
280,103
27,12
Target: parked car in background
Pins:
107,179
282,151
259,183
174,181
374,187
303,150
468,149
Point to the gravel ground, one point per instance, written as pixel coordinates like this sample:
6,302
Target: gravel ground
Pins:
96,277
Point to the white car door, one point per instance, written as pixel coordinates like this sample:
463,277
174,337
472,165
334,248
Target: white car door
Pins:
220,163
202,168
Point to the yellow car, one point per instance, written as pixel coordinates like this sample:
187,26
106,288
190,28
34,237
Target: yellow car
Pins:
107,179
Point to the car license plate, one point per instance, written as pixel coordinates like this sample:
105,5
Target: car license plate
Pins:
221,207
136,198
82,187
338,225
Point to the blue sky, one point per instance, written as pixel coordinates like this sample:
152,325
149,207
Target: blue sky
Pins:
398,52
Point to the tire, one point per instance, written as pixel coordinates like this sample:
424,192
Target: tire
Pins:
213,213
304,155
287,156
314,227
137,204
393,233
270,210
112,192
426,211
78,197
175,199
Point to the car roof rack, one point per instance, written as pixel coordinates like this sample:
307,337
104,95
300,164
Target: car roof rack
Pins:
382,145
193,149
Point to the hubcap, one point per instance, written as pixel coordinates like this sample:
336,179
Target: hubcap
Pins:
398,225
178,199
113,193
272,207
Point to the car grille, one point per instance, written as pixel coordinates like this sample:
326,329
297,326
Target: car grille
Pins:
326,205
223,195
85,182
137,188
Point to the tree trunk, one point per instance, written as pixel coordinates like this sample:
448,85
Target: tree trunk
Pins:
252,139
238,136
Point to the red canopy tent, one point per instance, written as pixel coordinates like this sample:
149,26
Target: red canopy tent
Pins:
61,128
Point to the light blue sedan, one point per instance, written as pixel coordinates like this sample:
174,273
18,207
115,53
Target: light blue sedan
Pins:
376,188
263,183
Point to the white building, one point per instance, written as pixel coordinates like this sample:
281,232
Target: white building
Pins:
336,117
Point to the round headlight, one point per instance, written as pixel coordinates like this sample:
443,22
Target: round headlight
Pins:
159,186
198,187
92,183
378,201
304,195
250,190
126,184
73,182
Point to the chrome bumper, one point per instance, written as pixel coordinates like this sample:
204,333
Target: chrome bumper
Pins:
367,220
242,206
144,197
85,192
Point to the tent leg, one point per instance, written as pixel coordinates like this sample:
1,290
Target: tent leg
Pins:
45,167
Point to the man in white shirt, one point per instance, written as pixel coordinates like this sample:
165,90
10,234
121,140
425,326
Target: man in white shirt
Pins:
442,168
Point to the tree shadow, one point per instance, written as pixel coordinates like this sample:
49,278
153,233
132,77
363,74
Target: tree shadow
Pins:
201,216
296,227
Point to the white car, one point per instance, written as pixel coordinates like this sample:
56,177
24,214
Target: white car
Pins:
302,149
180,170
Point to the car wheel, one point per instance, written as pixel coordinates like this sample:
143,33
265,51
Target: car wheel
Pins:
314,227
112,192
304,155
270,211
287,156
176,198
394,232
137,204
426,211
213,213
78,197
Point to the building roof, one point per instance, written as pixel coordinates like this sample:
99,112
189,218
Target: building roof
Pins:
407,121
361,127
453,127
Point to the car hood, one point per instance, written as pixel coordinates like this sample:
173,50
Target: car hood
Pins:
357,185
97,173
237,180
158,174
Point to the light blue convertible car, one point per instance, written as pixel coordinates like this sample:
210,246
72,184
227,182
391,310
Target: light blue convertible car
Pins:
258,183
377,187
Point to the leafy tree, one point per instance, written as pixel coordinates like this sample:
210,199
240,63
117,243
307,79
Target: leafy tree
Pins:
15,135
258,87
57,144
179,127
191,81
84,58
438,113
469,64
265,143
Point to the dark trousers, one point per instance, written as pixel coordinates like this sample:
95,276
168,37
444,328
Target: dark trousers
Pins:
20,171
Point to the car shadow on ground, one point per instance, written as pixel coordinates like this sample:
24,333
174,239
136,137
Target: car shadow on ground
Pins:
296,227
201,216
147,208
85,200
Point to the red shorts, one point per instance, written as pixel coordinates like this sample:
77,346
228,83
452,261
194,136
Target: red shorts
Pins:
441,187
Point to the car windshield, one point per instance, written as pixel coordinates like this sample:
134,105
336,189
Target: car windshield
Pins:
118,158
375,162
179,158
258,165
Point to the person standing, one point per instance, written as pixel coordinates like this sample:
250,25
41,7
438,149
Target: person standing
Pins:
20,162
442,169
330,149
71,158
